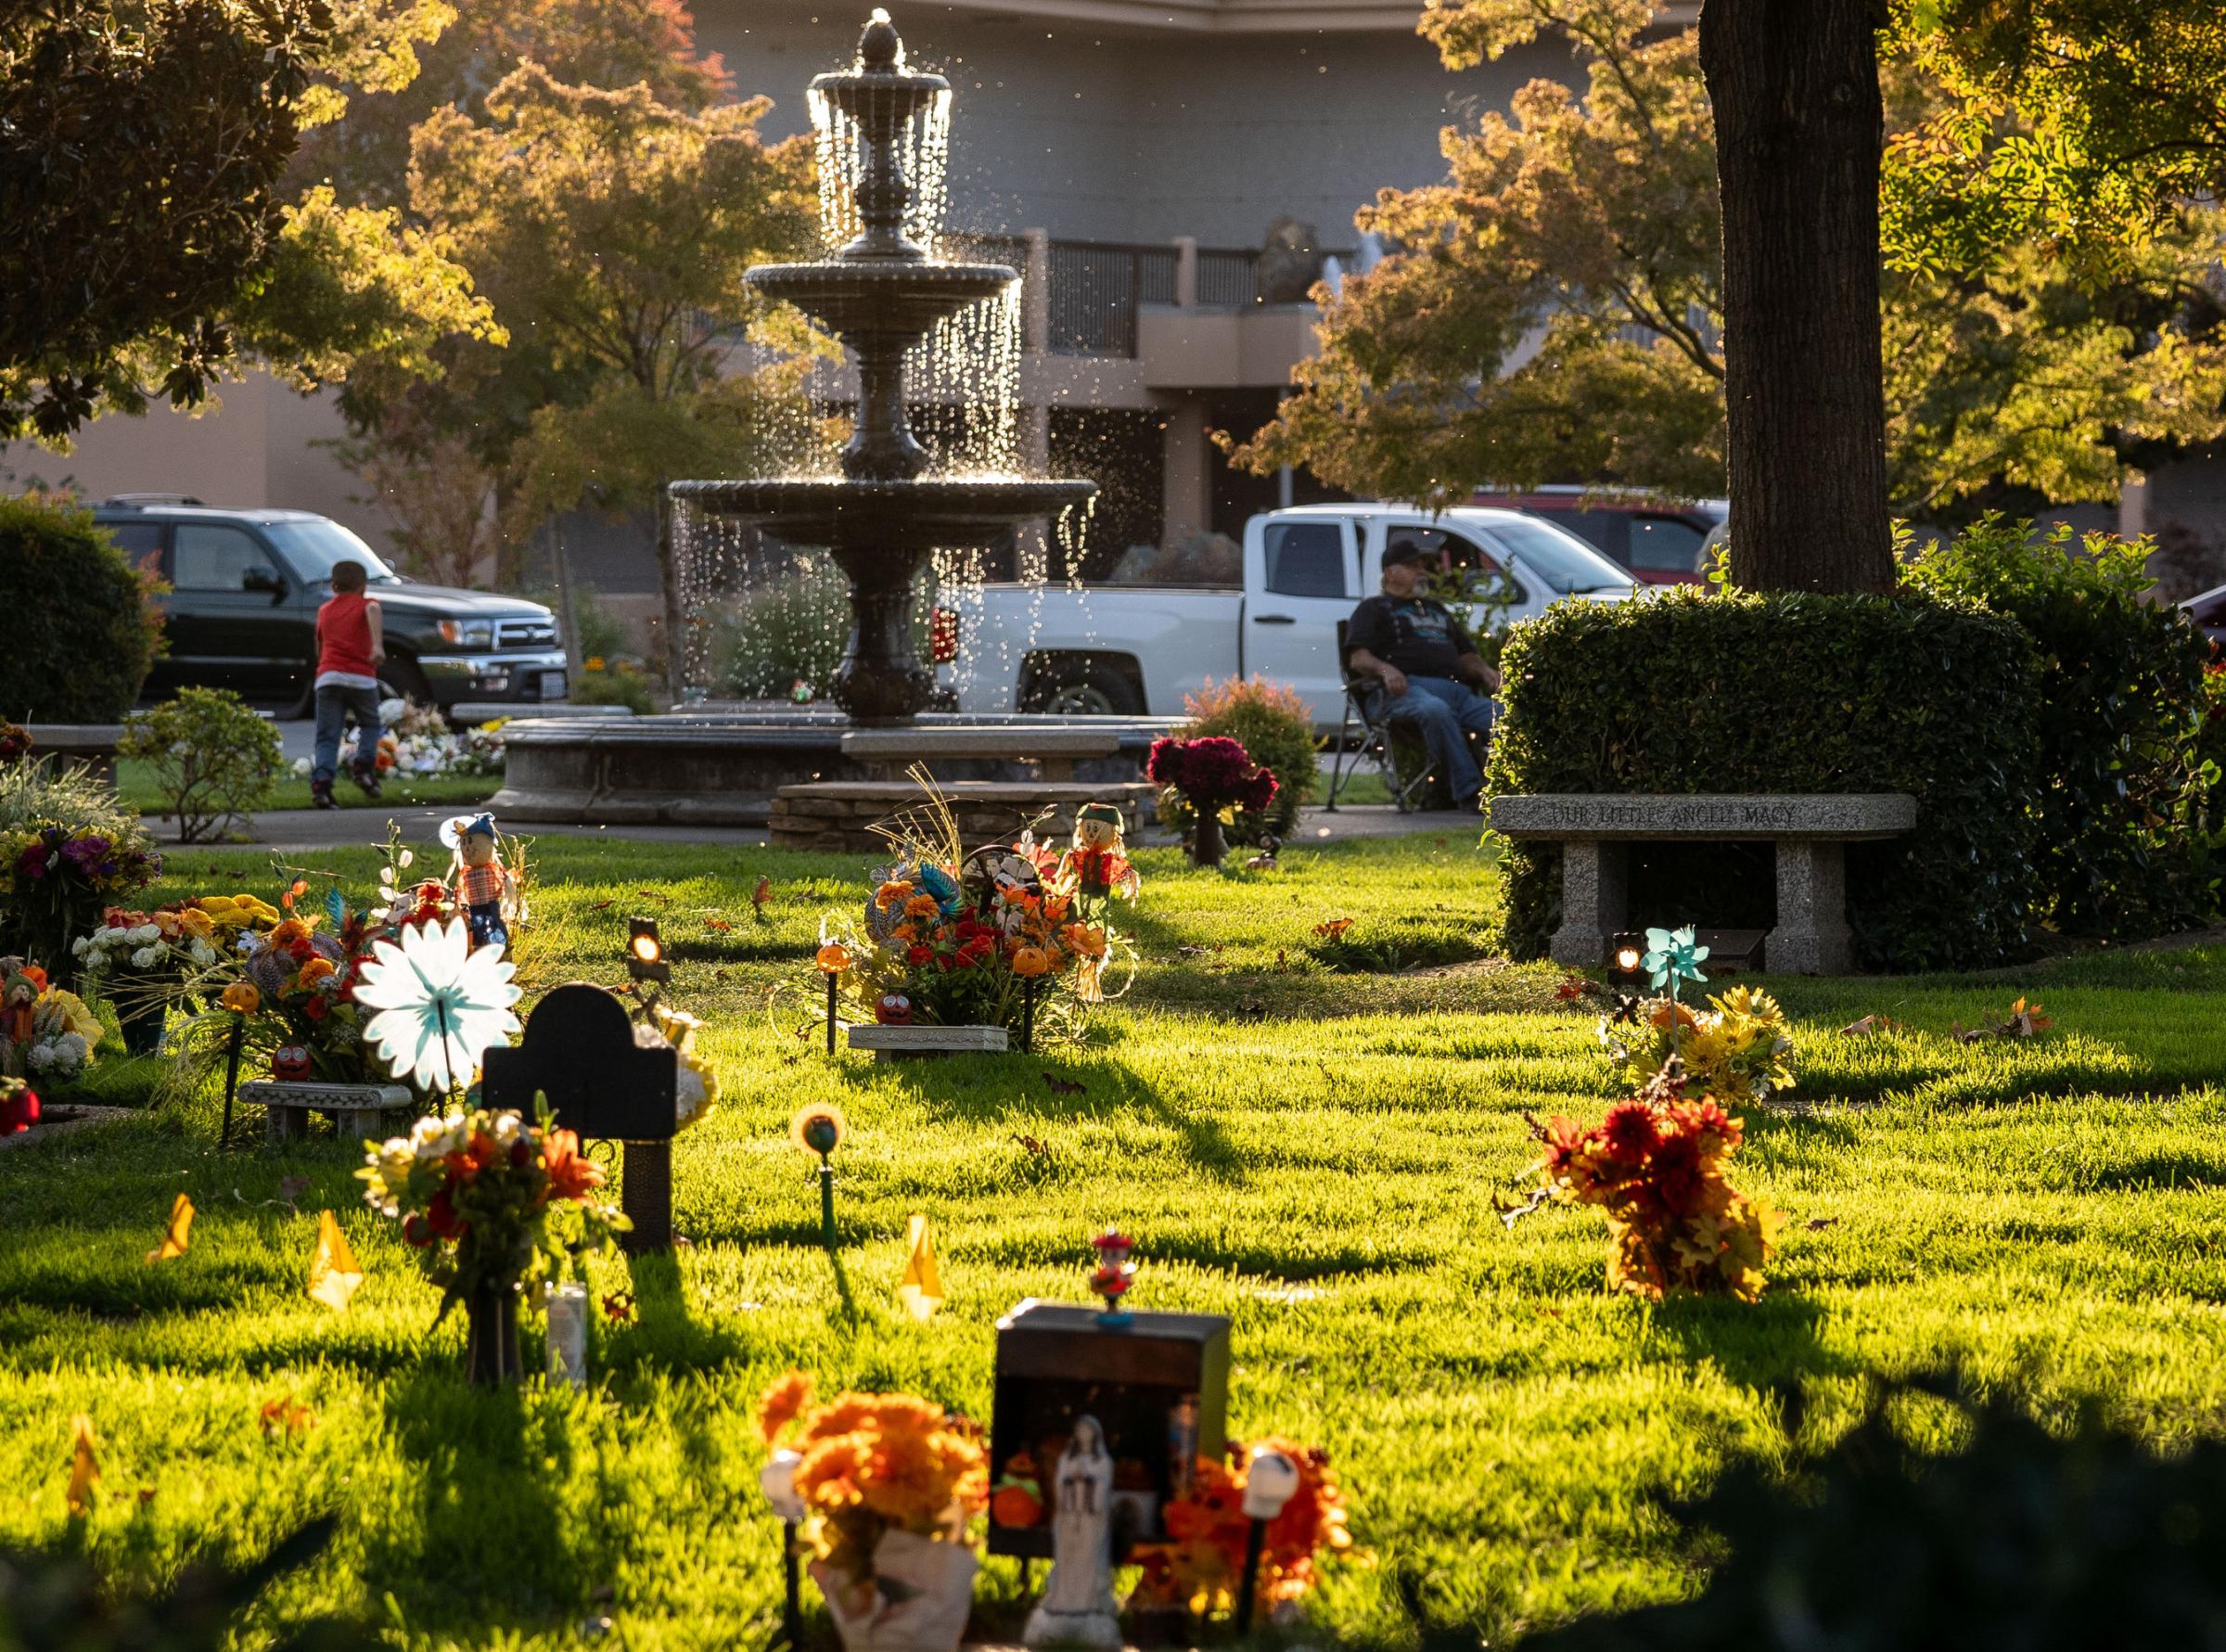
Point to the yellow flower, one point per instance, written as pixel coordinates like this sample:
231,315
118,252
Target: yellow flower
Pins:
241,998
315,970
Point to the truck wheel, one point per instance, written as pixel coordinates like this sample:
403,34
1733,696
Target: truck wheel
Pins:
1081,688
402,678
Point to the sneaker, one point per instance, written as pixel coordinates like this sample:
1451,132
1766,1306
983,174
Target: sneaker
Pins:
320,795
367,779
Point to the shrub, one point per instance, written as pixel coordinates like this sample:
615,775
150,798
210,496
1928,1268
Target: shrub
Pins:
214,759
1789,692
82,637
2131,802
1271,724
2051,1540
618,685
792,628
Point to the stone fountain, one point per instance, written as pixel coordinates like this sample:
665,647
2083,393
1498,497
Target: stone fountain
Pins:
817,778
881,294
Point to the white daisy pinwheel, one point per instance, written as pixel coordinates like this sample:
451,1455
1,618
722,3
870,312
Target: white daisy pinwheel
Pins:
439,1003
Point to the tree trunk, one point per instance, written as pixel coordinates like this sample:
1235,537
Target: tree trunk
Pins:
1799,133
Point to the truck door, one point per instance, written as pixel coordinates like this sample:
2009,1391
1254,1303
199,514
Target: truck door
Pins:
235,621
1470,579
1300,590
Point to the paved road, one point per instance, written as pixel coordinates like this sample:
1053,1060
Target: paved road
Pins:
313,828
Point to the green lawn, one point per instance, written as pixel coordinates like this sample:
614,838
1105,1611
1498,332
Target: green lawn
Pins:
135,784
1313,1151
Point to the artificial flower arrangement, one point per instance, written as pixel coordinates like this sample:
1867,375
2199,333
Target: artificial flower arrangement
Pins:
490,1201
140,961
417,740
1201,1565
1656,1164
46,1032
951,938
883,1486
1218,778
696,1090
55,881
1738,1051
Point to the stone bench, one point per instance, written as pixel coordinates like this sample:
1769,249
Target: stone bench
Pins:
840,815
92,744
1808,831
358,1111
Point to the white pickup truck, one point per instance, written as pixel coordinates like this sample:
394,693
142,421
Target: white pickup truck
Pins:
1136,650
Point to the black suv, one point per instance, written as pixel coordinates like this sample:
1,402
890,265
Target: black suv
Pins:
245,585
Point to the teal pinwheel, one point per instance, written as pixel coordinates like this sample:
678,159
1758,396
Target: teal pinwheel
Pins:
440,1003
1672,957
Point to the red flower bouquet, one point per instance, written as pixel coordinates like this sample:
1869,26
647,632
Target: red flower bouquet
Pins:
1216,775
1202,1561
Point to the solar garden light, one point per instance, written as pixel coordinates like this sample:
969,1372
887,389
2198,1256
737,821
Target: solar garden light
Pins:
834,959
777,1480
1625,954
646,951
1271,1481
817,1128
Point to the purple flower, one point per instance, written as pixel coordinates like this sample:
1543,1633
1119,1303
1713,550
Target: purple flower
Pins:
87,852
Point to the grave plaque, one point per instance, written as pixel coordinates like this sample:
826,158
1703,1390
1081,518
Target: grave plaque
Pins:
579,1051
1159,1386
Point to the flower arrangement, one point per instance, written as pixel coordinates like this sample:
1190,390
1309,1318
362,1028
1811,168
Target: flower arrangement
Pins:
15,741
167,941
993,937
45,1031
490,1201
885,1484
55,881
1656,1165
1740,1050
1216,776
697,1090
417,742
305,976
1201,1565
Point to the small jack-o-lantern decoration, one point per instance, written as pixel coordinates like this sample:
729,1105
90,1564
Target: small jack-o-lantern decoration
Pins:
893,1009
289,1063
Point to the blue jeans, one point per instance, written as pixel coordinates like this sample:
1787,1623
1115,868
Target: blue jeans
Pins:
336,703
1447,712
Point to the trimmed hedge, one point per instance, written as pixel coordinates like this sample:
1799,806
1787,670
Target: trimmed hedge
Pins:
1789,692
79,643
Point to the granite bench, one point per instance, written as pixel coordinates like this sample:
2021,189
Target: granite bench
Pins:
889,753
1810,831
358,1111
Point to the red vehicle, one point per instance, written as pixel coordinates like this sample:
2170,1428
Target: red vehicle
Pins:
1659,539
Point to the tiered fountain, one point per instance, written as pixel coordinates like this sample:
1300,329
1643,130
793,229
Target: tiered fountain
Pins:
880,518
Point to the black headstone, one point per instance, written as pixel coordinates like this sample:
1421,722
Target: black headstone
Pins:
579,1051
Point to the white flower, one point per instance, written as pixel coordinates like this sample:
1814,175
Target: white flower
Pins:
301,767
508,1127
146,957
439,1003
143,934
80,943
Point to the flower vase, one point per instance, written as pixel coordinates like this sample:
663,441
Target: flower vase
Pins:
1206,846
918,1599
491,1336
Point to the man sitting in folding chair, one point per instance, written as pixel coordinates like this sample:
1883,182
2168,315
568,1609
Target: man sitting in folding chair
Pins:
1428,665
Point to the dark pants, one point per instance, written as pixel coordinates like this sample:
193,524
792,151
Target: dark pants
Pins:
336,703
1447,712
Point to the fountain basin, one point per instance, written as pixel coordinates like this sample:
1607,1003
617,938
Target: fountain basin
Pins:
923,514
891,301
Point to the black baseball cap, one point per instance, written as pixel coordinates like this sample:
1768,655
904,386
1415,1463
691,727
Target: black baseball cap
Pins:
1421,555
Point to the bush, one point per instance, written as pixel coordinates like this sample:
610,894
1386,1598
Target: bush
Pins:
792,629
620,684
214,760
2131,808
1790,692
2023,1536
82,637
1271,722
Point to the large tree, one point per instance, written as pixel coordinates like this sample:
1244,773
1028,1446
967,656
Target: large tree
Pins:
612,230
1557,313
154,243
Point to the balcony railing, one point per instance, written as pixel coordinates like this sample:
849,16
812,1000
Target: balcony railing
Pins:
1228,280
1095,290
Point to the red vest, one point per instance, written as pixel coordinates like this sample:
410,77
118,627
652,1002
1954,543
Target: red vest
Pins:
344,635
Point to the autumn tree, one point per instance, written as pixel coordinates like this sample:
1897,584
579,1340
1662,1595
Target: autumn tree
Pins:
154,242
613,230
1558,313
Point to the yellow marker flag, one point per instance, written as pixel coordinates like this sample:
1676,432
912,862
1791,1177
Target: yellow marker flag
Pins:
333,1271
83,1470
921,1289
173,1237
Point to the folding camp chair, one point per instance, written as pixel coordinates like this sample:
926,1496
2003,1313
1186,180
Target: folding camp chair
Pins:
1364,739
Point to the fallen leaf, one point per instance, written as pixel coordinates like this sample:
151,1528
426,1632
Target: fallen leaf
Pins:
1036,1149
1550,1313
602,906
654,894
763,893
1335,928
1816,1224
1572,987
719,923
287,1414
1060,1086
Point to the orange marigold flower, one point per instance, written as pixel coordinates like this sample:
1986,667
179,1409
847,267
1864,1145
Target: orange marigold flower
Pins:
315,970
893,894
785,1396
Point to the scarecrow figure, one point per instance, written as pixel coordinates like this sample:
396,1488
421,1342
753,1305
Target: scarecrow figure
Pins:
481,883
1096,862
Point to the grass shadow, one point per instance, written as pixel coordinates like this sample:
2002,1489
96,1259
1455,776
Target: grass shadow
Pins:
1772,1343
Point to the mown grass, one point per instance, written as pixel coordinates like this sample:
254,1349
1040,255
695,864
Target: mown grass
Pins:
135,783
1312,1151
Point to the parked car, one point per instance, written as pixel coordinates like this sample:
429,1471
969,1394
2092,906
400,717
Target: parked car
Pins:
1660,540
1136,649
245,585
2208,610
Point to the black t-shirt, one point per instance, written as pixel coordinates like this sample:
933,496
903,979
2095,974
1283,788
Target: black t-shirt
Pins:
1419,636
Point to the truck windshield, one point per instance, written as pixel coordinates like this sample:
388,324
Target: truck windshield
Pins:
310,548
1563,560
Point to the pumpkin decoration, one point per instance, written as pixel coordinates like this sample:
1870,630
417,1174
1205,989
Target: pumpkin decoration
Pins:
893,1009
289,1063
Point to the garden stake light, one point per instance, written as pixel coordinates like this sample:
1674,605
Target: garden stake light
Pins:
833,959
1271,1481
645,951
818,1128
232,1049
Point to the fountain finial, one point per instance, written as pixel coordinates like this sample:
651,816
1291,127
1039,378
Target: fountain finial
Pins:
880,50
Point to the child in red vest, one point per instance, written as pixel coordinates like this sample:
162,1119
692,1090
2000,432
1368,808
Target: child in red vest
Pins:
350,644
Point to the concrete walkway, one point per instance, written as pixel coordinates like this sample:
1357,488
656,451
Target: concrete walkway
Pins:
366,826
